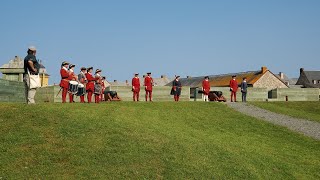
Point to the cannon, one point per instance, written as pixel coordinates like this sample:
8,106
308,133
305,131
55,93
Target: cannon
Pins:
215,96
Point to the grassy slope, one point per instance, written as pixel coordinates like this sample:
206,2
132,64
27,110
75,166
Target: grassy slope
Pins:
305,110
143,140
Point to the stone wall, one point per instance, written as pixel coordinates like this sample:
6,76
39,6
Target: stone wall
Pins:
52,94
12,91
159,93
296,94
269,81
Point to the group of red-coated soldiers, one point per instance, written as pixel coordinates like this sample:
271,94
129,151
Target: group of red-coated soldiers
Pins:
94,84
148,83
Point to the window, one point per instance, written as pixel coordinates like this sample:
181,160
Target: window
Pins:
318,81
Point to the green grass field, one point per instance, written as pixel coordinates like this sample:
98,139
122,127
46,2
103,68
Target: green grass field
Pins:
305,110
160,140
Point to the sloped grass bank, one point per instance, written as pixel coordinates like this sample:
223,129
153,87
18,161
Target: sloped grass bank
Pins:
149,140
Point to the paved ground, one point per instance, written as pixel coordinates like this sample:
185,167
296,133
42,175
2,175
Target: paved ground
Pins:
308,128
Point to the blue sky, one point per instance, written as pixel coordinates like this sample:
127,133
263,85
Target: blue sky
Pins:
172,37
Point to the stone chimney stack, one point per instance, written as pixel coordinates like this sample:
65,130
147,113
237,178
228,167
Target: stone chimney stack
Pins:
263,69
188,77
115,81
301,70
144,76
281,75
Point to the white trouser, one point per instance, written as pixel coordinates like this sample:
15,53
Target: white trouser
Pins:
30,93
205,98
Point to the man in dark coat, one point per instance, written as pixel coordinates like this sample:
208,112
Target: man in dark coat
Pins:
244,87
176,87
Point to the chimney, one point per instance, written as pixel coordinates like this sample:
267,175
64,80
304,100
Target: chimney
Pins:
163,76
301,70
281,75
127,82
144,76
115,81
263,69
188,77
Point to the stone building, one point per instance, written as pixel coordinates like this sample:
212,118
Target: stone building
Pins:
309,79
13,71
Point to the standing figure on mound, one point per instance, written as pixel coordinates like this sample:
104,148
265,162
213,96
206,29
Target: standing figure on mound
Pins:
83,80
97,86
148,83
233,88
244,87
103,87
90,84
206,88
64,83
136,87
176,86
72,77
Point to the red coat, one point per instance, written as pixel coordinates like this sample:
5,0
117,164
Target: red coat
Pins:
72,76
234,85
64,83
148,81
206,87
136,84
90,84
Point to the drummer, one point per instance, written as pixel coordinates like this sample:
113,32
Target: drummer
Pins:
64,83
72,77
97,86
103,85
83,80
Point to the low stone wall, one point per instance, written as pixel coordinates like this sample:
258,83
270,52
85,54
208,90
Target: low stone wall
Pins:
296,94
159,93
12,91
52,94
254,94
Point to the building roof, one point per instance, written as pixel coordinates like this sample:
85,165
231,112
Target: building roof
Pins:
162,81
310,76
16,63
285,78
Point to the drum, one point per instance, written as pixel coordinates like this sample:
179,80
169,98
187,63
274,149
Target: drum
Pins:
73,87
97,89
81,90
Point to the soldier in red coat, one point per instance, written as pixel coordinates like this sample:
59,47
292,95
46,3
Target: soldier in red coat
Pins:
136,87
148,83
64,83
90,84
233,88
72,77
206,88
